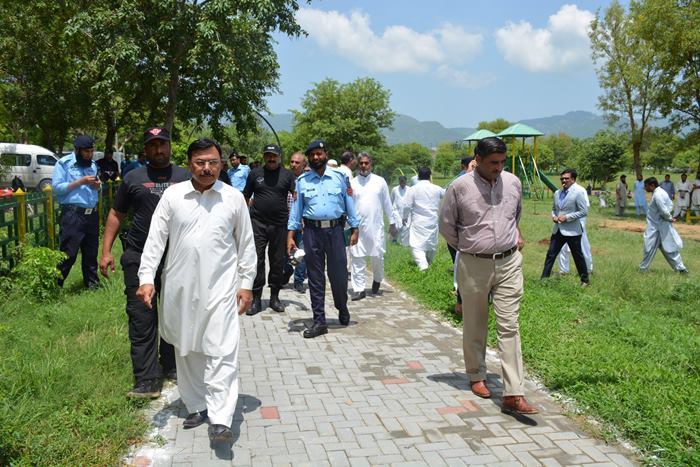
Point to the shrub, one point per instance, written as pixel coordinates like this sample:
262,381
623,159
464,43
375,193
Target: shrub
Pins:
36,274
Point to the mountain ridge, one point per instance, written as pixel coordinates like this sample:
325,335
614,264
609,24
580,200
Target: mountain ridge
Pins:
407,129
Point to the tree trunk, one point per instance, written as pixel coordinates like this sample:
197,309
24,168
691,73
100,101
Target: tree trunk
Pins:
171,106
636,153
110,129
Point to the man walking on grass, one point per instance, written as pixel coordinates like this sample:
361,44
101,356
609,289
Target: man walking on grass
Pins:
139,193
423,201
480,219
207,281
660,234
569,208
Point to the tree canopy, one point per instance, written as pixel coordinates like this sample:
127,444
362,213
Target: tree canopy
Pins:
132,63
347,116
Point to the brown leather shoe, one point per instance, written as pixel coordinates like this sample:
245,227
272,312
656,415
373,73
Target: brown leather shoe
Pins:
479,388
517,404
458,309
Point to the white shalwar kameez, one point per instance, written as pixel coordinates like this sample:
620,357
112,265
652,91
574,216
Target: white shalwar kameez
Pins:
695,197
372,202
423,201
682,198
211,255
398,202
660,233
565,253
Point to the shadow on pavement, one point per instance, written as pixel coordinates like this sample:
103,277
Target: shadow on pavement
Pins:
245,404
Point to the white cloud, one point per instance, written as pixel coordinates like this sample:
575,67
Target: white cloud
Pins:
398,49
564,44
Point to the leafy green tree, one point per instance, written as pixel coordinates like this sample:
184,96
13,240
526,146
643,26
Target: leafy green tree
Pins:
418,155
495,126
628,72
347,116
41,79
600,157
561,147
447,158
672,29
391,162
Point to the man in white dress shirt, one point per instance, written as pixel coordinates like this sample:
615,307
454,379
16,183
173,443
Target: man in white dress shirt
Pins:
207,282
423,201
370,194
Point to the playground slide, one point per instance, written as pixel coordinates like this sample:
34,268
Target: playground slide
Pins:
547,182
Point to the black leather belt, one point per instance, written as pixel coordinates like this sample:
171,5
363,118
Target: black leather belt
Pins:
502,255
324,224
78,209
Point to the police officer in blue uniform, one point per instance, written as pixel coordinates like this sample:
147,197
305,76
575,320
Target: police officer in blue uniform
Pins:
76,186
324,205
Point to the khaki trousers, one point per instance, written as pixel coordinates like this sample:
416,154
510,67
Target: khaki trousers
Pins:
503,278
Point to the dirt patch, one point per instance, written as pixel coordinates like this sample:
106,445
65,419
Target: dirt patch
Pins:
687,231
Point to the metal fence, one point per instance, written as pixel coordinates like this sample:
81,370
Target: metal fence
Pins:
32,217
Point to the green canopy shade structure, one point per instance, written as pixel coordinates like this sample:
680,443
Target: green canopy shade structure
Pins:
520,130
479,135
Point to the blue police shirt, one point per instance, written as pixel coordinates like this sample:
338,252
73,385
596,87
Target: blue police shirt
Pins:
67,171
238,176
322,198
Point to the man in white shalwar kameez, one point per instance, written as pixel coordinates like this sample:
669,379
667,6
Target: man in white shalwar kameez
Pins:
424,203
370,195
207,282
564,261
695,196
660,233
398,202
683,189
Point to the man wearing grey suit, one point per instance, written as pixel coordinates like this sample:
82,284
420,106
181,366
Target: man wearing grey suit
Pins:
569,208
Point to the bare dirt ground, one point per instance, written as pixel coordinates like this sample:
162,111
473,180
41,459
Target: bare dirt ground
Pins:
687,231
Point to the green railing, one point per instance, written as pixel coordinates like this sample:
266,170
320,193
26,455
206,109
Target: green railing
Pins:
33,218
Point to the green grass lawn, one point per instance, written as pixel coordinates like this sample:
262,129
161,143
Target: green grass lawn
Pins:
64,373
626,349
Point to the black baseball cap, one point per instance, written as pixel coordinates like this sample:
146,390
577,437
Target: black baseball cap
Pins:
272,149
156,132
318,144
84,142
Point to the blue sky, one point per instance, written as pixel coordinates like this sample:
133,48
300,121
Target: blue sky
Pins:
456,62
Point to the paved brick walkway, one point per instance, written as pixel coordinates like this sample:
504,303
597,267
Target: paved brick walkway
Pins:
390,389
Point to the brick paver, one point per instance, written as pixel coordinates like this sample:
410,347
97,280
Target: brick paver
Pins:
390,389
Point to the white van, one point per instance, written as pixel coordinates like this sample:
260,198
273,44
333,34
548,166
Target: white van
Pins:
32,164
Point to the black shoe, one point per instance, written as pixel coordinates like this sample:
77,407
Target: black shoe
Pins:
344,317
299,287
355,296
220,433
375,287
315,331
146,389
193,420
275,302
255,308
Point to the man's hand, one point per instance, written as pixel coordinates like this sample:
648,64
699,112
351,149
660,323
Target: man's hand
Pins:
562,218
244,298
392,230
555,219
145,293
521,242
354,236
91,180
291,246
107,264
